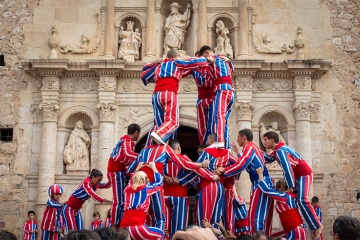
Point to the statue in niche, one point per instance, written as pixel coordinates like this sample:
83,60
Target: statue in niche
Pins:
299,43
54,42
223,41
273,128
88,45
175,27
266,47
130,42
76,153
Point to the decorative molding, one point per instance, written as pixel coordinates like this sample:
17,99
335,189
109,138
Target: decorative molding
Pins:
130,16
302,82
126,86
50,111
80,74
107,83
187,86
302,111
106,112
222,9
50,71
315,112
130,75
273,85
244,111
79,85
50,83
313,84
37,114
243,82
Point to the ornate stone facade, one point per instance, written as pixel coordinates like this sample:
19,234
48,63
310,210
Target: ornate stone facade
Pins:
39,94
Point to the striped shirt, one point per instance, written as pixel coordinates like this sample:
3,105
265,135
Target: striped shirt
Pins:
96,224
123,154
318,212
28,227
219,69
52,220
240,211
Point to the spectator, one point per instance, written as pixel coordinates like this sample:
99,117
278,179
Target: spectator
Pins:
346,228
5,235
81,235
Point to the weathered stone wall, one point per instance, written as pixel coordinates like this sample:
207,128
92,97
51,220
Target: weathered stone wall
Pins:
342,161
13,206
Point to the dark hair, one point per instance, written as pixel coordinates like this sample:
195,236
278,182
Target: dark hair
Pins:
174,144
247,133
272,135
81,235
96,213
347,227
196,53
244,237
95,173
5,235
31,212
203,49
107,234
132,128
172,53
315,199
259,234
123,233
108,215
282,184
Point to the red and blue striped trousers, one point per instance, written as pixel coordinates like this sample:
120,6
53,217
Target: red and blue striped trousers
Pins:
144,232
72,218
47,235
298,233
204,118
117,180
157,210
177,209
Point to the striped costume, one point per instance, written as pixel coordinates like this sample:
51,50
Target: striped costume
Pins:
241,216
318,212
136,205
297,173
176,201
165,100
121,157
29,227
71,210
222,71
96,224
108,222
52,221
286,207
261,206
161,154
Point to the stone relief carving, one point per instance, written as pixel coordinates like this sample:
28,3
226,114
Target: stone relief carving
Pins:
107,83
50,83
76,152
131,115
88,45
266,46
313,84
303,82
187,86
244,82
50,111
130,42
315,112
262,85
223,41
273,128
302,111
106,112
79,85
299,43
244,111
132,86
37,114
54,42
175,28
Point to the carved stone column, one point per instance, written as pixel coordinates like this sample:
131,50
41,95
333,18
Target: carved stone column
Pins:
202,26
150,32
244,113
243,29
110,29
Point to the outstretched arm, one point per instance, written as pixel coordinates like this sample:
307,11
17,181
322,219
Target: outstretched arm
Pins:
243,161
287,169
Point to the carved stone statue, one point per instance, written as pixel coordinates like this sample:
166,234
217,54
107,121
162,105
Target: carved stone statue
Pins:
54,42
266,47
274,128
76,153
299,43
88,45
130,42
175,27
223,41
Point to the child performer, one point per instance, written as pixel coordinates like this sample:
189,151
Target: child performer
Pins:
97,223
297,173
137,200
71,210
108,218
52,222
318,211
30,227
240,215
286,207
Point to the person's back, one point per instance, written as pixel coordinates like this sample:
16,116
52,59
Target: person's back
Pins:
346,228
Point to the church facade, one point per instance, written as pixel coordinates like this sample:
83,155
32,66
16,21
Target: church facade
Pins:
296,72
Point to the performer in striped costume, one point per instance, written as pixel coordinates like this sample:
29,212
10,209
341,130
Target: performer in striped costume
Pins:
165,101
318,211
121,157
286,207
97,223
136,204
161,154
240,215
108,218
52,222
251,158
30,227
297,174
71,210
221,72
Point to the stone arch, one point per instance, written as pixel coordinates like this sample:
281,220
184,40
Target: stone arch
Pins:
165,6
229,22
136,18
72,115
267,113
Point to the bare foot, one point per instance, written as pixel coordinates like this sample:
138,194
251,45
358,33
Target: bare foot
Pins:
317,232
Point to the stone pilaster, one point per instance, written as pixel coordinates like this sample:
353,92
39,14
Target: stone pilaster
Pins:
243,29
150,32
244,113
110,29
202,26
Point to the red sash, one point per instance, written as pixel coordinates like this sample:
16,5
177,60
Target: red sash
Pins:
290,219
242,223
74,203
175,190
206,92
228,183
149,172
167,84
133,218
115,166
302,169
224,80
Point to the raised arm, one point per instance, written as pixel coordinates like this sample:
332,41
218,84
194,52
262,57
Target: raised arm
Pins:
287,170
190,64
129,154
152,188
243,161
54,204
89,190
